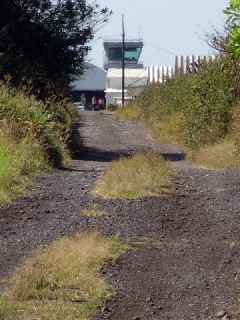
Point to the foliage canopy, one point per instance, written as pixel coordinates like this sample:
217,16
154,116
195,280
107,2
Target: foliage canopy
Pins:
44,43
233,22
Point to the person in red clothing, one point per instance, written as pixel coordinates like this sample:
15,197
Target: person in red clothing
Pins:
100,103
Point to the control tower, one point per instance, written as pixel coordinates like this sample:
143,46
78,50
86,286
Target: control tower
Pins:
113,54
136,75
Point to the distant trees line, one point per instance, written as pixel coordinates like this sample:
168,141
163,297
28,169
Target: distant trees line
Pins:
43,43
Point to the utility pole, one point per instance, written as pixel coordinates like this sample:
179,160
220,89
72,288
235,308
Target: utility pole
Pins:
123,62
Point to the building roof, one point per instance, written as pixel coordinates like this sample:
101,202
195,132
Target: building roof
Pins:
93,79
116,43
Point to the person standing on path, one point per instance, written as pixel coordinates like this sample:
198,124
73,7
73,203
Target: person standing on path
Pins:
93,103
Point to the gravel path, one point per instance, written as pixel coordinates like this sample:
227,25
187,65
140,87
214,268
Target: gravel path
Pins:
187,265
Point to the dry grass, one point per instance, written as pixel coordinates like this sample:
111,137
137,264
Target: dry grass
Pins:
218,156
62,281
130,112
139,176
171,129
168,129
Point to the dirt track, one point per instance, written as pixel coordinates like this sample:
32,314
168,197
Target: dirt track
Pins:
188,262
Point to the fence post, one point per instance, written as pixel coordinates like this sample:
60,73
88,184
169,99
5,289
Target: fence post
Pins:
177,66
188,64
182,66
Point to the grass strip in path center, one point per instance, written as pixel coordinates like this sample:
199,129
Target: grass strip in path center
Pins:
141,175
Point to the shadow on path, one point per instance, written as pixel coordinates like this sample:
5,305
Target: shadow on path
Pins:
80,150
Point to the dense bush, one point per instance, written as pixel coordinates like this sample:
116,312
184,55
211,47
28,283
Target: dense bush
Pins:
48,123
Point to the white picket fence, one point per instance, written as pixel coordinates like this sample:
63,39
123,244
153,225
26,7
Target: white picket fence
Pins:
183,65
158,74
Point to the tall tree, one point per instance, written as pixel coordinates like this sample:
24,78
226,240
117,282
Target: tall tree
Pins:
44,42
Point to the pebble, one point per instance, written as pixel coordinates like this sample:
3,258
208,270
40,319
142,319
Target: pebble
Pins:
221,314
226,317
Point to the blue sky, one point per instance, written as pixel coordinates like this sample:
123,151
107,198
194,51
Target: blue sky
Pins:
168,27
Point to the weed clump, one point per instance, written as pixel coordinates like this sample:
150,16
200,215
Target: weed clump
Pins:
93,213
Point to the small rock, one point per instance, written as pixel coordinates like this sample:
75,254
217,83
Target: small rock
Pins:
159,307
106,309
136,318
221,314
226,317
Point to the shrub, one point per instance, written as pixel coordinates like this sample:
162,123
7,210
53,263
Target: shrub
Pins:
32,138
48,123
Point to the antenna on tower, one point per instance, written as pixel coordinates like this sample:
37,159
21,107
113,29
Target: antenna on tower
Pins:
140,32
123,62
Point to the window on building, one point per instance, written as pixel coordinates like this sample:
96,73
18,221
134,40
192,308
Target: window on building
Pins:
131,54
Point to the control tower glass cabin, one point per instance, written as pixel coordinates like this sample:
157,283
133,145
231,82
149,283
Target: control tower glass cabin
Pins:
113,54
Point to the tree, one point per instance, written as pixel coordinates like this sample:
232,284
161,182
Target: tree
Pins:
45,43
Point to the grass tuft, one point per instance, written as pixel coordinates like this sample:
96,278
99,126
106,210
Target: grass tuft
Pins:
62,281
139,176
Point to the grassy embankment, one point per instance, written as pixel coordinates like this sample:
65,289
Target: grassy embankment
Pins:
32,138
198,111
62,281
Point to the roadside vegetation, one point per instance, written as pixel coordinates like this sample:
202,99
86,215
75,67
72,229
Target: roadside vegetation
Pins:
201,109
141,175
33,138
62,281
195,110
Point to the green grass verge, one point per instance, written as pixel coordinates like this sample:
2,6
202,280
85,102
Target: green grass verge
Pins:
62,281
33,136
19,162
